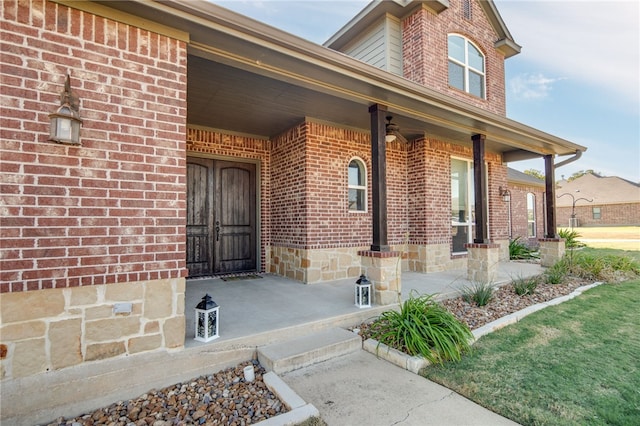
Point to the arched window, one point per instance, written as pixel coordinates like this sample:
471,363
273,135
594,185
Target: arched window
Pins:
466,66
357,186
531,215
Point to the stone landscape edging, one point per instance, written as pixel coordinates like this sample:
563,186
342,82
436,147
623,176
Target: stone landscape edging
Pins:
299,410
416,363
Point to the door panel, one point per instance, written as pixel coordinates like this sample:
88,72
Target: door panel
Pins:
199,217
235,223
221,217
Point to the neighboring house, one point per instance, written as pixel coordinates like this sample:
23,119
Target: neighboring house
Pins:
593,200
526,195
212,143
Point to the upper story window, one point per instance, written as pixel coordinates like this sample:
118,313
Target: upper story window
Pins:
466,66
357,186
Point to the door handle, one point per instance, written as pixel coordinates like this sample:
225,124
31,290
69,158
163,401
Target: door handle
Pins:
217,230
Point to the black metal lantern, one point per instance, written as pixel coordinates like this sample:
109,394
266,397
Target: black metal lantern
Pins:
363,292
65,121
206,320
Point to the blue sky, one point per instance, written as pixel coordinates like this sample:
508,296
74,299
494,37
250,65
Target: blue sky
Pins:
577,76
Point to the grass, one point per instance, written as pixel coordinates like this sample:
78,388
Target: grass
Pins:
571,364
614,237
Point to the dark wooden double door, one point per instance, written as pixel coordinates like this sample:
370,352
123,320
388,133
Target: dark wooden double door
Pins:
221,217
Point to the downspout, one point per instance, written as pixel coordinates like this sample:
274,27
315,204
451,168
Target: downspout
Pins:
575,157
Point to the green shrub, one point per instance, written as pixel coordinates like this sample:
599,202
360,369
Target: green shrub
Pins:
612,268
570,238
558,272
480,293
519,250
423,327
525,285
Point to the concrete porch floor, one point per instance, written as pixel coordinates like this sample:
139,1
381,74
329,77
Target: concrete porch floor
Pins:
258,311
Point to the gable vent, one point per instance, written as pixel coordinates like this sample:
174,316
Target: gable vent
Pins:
466,9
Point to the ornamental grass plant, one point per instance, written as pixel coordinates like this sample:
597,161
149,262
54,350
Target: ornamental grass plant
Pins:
519,250
423,327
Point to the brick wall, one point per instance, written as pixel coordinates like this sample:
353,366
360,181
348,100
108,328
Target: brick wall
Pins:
112,209
518,206
425,52
610,214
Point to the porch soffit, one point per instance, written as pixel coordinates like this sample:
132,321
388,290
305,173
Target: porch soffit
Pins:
245,76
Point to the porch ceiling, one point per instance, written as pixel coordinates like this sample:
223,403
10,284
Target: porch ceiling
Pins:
247,77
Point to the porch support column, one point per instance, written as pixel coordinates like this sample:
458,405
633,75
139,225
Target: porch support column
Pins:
482,257
550,190
480,188
552,247
379,264
379,177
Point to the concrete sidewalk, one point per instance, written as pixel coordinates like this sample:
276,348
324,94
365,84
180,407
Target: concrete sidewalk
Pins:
361,389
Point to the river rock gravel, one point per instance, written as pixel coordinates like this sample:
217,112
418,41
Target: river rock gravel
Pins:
222,398
505,301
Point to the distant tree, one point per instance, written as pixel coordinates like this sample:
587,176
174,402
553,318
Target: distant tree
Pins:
581,173
535,173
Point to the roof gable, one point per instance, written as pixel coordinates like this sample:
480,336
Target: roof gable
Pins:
375,10
602,190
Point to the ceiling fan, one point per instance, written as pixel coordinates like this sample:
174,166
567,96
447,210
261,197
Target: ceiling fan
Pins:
393,131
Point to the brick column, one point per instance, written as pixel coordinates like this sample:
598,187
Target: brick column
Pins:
384,270
482,266
551,251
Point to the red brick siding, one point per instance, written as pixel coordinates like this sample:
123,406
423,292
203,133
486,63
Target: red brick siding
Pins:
518,205
207,143
498,208
429,189
610,214
425,52
288,188
312,179
112,209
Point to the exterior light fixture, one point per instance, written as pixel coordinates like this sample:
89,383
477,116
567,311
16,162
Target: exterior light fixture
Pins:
505,194
207,320
65,121
363,292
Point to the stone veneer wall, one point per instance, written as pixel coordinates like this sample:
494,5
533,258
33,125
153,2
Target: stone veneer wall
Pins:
316,265
57,328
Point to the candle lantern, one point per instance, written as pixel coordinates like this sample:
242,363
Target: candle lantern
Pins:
207,320
363,292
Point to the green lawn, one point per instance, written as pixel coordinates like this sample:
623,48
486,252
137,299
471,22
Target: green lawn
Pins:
577,363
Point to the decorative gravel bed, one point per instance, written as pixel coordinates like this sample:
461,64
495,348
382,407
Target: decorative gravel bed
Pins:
505,301
223,398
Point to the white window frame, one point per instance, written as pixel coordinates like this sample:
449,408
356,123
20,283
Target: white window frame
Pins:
468,68
531,215
469,221
363,188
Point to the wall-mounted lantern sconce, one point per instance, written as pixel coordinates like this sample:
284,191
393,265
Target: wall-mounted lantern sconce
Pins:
65,121
505,194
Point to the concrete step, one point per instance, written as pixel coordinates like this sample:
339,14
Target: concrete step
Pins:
300,352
